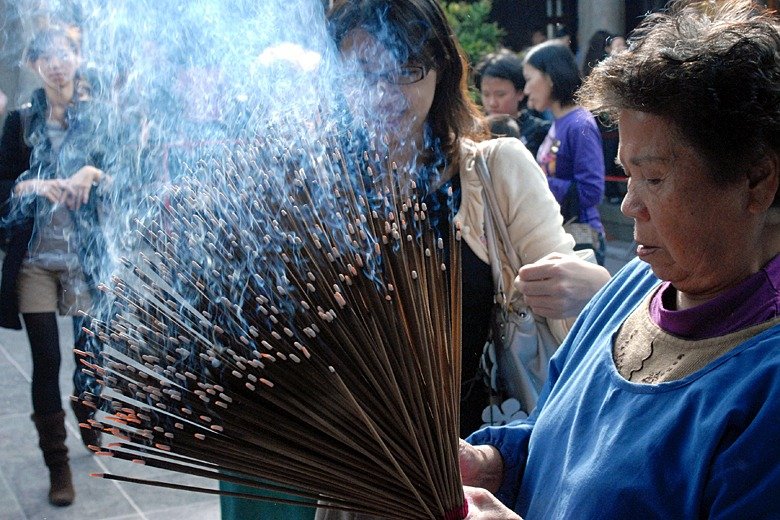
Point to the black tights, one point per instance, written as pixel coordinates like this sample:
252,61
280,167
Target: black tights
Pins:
44,339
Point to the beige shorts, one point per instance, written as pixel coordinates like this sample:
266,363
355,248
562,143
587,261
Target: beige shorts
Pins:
45,290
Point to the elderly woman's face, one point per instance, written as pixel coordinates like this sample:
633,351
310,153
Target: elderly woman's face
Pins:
692,231
397,94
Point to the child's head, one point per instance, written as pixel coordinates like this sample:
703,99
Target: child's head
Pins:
503,125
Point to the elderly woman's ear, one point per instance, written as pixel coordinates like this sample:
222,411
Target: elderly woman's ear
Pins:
764,181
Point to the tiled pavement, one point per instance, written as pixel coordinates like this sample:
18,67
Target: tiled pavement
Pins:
23,476
24,479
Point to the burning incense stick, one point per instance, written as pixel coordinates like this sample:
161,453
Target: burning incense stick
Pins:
294,326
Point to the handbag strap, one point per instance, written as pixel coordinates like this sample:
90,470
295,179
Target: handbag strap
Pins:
494,222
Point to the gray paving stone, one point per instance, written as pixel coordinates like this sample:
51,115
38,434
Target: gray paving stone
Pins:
151,499
10,508
24,478
14,392
209,511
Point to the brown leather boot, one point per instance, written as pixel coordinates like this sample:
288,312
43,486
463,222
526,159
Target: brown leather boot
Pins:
89,436
51,434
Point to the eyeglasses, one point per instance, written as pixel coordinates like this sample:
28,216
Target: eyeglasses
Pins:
404,75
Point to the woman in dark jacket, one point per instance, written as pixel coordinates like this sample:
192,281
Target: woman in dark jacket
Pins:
50,232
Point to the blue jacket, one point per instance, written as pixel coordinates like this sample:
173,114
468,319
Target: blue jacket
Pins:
598,446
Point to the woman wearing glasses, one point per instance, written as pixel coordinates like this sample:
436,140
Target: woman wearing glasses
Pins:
411,87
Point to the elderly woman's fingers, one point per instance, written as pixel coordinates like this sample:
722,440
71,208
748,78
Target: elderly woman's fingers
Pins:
480,466
469,459
483,505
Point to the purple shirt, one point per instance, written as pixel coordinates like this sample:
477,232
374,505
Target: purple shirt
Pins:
572,150
754,300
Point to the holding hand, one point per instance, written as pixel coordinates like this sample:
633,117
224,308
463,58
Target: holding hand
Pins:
484,506
54,190
80,184
480,466
558,286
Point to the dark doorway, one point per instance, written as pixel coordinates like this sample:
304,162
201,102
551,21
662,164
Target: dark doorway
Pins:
636,11
519,18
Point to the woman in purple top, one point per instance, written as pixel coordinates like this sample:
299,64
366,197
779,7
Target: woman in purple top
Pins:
571,154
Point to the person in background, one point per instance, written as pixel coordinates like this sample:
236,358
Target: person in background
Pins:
503,125
561,35
557,286
602,45
47,182
499,78
598,49
571,155
538,35
663,401
616,44
436,130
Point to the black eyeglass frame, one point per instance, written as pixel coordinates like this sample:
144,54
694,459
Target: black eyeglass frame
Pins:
403,75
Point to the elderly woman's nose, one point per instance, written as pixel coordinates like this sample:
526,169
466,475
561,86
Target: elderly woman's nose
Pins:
632,206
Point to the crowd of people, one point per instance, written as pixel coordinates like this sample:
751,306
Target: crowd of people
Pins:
663,397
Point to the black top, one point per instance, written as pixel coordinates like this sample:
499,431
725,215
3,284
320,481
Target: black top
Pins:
477,306
533,130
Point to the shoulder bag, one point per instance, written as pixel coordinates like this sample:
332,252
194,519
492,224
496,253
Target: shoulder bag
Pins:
520,344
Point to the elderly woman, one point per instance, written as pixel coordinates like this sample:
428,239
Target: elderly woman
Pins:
664,400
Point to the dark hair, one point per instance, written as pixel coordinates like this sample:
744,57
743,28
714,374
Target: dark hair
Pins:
503,125
45,40
558,62
597,50
714,73
502,64
417,30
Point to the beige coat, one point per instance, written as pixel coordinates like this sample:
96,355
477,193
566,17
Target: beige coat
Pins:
534,220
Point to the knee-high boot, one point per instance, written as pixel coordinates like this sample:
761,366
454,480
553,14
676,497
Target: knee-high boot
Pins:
51,434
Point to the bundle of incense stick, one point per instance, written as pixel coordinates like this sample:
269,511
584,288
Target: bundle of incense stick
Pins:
294,327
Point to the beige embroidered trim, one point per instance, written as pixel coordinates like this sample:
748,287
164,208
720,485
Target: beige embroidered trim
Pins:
644,353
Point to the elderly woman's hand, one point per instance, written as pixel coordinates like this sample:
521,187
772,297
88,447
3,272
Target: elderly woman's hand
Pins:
80,184
484,506
480,466
558,286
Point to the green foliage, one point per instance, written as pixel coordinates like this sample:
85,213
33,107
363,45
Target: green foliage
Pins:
476,34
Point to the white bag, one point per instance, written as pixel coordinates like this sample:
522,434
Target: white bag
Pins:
520,345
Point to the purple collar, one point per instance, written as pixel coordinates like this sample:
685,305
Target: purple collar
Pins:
754,300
